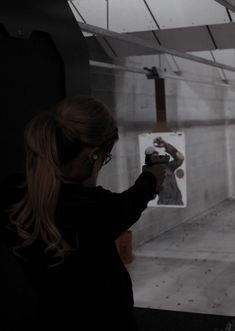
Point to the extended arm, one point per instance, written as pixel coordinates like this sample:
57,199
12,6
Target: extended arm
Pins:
109,213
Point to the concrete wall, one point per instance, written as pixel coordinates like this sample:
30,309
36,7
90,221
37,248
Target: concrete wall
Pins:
204,113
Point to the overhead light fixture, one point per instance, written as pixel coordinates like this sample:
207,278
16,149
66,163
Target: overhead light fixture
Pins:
230,4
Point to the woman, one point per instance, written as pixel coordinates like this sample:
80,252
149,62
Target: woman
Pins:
63,227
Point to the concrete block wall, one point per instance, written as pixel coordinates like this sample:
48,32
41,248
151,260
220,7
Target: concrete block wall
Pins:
204,113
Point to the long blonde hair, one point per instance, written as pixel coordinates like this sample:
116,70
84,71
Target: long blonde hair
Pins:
52,139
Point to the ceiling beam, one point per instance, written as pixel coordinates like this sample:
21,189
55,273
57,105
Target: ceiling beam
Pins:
150,45
230,4
117,67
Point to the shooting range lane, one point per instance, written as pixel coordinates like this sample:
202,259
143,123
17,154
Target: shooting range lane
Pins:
190,268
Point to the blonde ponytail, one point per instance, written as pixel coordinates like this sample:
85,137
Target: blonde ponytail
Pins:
34,214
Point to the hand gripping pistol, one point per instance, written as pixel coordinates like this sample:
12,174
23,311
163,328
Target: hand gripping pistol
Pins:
153,157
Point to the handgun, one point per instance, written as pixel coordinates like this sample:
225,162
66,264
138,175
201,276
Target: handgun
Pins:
153,157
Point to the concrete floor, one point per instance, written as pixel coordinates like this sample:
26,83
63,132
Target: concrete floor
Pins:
190,268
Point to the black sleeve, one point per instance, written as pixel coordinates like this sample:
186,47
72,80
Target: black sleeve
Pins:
102,213
122,210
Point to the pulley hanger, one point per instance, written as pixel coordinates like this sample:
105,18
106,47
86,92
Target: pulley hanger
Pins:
160,100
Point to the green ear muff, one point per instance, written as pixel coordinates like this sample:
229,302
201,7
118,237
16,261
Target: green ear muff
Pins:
95,156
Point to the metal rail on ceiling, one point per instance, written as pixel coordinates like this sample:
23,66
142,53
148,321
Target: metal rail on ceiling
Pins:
162,73
117,67
227,4
150,45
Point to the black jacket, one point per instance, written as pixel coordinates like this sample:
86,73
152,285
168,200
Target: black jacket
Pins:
92,286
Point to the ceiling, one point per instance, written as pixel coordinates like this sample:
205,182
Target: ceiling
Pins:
199,27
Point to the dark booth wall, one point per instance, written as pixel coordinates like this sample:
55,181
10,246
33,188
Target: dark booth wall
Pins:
44,57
